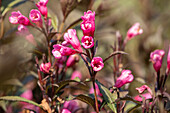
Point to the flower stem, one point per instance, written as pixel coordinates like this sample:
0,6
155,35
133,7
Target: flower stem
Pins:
95,95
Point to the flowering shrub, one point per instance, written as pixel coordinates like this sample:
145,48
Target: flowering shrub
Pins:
64,88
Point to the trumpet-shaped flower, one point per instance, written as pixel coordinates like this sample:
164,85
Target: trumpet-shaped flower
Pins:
88,16
156,58
71,38
145,95
23,20
125,77
45,67
143,88
87,42
88,28
97,63
72,60
42,7
71,105
35,17
60,51
65,111
134,31
14,17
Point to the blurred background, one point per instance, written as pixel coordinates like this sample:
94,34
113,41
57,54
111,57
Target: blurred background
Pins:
17,65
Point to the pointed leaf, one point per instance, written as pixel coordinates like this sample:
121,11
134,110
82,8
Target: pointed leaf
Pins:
108,97
86,99
128,98
20,99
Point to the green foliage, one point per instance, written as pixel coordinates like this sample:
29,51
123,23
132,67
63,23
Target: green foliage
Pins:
107,96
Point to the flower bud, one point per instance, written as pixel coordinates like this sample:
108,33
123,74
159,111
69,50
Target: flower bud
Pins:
87,42
14,17
168,60
65,111
125,77
134,31
72,60
156,58
45,67
76,74
97,63
42,7
71,105
71,37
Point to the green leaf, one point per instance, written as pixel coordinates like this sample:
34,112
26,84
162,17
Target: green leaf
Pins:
14,81
3,105
129,98
86,99
108,97
20,99
54,19
62,84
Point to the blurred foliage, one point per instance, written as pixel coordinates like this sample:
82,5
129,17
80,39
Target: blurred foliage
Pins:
17,59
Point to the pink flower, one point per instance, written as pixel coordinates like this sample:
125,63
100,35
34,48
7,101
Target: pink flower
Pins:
42,7
71,105
45,67
76,74
88,28
72,60
168,60
97,63
60,51
87,42
71,37
23,31
35,17
28,95
14,17
23,20
156,58
97,90
125,77
145,95
143,88
65,111
134,31
89,16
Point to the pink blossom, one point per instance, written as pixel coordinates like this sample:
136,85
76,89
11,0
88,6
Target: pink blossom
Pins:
60,51
23,31
71,37
97,90
88,28
42,7
72,60
156,58
134,31
71,105
89,16
65,111
145,95
14,17
168,60
45,67
76,74
125,77
87,42
35,17
23,20
28,95
97,63
143,88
